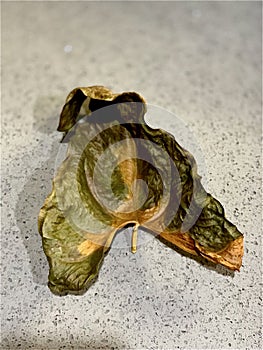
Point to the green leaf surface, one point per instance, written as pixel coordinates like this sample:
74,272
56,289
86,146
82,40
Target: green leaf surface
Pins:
117,171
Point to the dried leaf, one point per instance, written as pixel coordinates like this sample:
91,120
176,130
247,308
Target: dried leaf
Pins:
118,171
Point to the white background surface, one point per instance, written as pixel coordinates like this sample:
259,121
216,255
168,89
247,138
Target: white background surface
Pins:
199,60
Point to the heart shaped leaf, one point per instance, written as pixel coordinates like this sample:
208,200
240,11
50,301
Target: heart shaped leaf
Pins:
119,171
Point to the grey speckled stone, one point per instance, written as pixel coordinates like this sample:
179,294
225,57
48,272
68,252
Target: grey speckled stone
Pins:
199,60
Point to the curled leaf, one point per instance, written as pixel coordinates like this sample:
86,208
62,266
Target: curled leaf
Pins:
119,171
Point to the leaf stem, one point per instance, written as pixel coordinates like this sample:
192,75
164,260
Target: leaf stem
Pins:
134,238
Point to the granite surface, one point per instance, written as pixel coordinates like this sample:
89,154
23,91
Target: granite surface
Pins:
200,61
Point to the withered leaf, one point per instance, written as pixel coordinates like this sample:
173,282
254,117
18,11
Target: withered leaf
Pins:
119,171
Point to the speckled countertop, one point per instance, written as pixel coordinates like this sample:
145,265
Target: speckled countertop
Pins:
198,60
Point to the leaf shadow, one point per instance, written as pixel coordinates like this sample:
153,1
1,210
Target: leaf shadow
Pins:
202,261
30,200
37,187
46,113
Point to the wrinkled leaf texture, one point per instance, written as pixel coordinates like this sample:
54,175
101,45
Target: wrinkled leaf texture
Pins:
77,227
